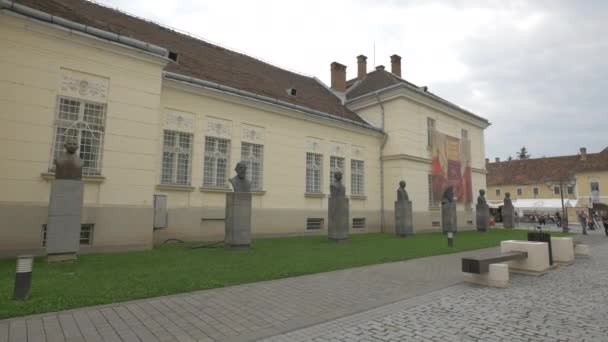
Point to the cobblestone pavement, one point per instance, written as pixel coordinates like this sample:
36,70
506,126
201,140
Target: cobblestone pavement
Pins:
566,304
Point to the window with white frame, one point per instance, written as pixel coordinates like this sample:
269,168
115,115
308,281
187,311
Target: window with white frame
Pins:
336,164
217,157
430,128
253,156
84,121
177,158
314,167
357,182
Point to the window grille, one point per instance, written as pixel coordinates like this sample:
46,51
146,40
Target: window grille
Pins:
359,223
336,164
430,127
86,234
177,157
314,223
217,156
253,156
84,121
357,183
314,166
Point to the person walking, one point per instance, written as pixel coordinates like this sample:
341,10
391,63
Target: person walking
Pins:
558,219
582,218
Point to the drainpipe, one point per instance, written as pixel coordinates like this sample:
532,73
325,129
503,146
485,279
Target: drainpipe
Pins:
384,139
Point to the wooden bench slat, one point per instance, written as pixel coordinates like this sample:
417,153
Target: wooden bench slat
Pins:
480,265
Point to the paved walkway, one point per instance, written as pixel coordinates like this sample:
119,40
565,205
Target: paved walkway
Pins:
255,311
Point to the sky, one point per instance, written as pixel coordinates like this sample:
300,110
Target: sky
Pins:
537,70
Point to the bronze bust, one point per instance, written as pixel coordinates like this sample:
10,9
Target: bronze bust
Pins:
481,200
240,182
448,195
336,189
507,201
402,193
68,165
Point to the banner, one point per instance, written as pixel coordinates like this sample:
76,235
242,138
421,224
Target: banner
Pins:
451,166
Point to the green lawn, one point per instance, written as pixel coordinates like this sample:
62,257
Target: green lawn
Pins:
107,278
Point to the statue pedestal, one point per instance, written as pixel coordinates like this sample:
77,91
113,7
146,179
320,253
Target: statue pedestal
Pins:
483,217
238,220
338,219
448,217
508,216
63,228
403,218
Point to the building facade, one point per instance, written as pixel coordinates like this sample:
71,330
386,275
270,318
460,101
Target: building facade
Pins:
162,119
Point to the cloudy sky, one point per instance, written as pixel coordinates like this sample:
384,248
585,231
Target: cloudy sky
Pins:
536,69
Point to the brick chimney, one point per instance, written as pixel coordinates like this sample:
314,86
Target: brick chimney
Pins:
583,153
338,77
380,67
361,67
497,159
396,65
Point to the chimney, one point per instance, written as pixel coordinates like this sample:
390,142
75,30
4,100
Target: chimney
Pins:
380,67
338,77
497,159
583,153
487,160
396,65
361,67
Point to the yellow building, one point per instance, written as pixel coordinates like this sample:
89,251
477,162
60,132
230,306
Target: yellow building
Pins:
579,177
163,118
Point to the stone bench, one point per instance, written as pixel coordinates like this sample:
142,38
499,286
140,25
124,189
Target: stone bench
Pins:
563,250
582,250
537,261
489,271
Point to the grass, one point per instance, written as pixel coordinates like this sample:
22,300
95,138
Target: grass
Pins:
107,278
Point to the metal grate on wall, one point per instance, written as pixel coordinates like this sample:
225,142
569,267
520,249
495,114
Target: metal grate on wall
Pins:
359,223
86,234
314,223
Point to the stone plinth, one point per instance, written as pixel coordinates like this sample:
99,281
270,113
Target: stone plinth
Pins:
582,250
403,218
537,261
482,212
238,220
563,249
508,216
448,217
63,228
338,219
497,276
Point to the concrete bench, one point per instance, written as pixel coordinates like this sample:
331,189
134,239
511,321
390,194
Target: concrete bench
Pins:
563,250
537,261
489,271
582,250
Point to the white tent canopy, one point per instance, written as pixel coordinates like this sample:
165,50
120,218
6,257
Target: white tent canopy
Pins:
545,203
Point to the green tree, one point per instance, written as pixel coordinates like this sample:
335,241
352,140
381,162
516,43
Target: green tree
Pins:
509,158
523,153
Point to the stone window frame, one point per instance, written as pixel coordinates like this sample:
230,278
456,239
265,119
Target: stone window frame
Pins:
86,121
357,177
336,163
181,147
216,164
314,172
253,156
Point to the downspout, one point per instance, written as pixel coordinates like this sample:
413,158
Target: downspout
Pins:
384,139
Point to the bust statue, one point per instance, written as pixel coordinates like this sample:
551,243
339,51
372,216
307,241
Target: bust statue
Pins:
507,201
68,165
402,193
336,189
481,200
240,182
448,195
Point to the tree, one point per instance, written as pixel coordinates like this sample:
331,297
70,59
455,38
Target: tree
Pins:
523,153
509,158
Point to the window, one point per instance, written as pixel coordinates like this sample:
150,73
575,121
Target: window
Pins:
358,222
253,156
464,134
217,157
357,177
177,158
84,121
336,164
314,223
556,190
313,172
86,234
595,186
497,192
570,190
432,201
519,191
535,191
430,128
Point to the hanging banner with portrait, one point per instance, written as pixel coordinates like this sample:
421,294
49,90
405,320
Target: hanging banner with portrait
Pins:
451,166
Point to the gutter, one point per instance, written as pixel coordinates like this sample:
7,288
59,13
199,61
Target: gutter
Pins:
421,92
234,91
384,139
73,26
